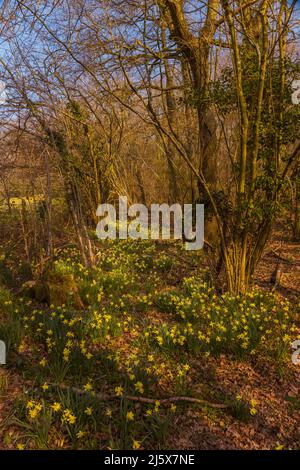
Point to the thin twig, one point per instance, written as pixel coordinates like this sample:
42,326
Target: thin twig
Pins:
152,401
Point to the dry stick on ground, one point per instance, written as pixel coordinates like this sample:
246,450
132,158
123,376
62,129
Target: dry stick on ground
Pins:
152,401
280,257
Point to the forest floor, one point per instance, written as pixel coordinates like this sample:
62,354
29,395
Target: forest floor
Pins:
287,253
79,376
